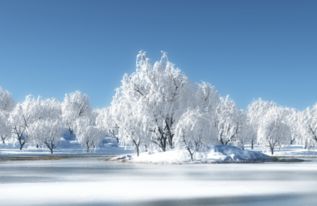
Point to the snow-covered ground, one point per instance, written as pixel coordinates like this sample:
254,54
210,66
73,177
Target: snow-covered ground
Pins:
93,181
32,151
216,154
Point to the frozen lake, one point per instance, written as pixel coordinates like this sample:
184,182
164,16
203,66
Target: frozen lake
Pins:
94,181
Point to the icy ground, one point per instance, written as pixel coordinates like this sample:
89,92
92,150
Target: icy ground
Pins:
94,181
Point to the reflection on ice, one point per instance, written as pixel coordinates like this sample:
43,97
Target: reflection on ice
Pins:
93,181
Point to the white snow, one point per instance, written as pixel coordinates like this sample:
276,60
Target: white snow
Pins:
218,153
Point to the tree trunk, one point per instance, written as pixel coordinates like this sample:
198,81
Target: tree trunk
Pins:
137,150
137,147
50,145
21,144
87,147
272,149
190,153
3,140
252,144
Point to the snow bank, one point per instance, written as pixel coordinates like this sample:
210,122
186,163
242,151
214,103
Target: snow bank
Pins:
236,154
217,154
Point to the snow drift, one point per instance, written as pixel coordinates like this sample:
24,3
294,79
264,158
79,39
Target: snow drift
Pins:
216,154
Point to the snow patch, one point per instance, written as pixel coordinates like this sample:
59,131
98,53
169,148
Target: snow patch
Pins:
217,154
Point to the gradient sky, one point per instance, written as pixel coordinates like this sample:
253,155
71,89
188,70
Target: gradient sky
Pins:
247,49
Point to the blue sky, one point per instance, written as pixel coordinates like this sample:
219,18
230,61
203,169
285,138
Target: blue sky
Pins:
247,49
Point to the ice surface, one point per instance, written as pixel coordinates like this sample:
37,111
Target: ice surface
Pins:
94,181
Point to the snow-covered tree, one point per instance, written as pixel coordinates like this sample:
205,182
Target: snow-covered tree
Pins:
256,110
5,127
46,132
207,98
309,126
74,106
158,91
247,133
228,121
107,123
6,106
29,111
194,132
19,121
87,133
294,121
6,101
273,130
133,126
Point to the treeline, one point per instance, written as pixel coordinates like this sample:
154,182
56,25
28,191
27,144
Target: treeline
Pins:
156,108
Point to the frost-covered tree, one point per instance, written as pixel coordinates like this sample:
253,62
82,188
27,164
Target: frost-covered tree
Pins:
273,130
5,127
256,110
294,120
6,106
29,111
228,121
158,91
87,133
247,133
194,132
46,132
133,126
106,122
74,106
207,98
6,101
309,126
19,121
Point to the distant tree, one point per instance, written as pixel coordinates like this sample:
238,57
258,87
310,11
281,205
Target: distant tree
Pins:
5,127
106,122
273,131
255,112
228,121
87,133
6,106
29,111
75,105
194,132
6,101
46,132
309,122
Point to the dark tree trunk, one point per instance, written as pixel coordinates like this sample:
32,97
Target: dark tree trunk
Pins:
272,149
190,153
137,147
87,147
51,146
3,140
21,144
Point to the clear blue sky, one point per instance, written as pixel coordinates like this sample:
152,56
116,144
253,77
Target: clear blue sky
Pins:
247,49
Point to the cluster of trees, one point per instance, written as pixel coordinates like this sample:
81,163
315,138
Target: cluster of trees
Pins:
156,108
44,122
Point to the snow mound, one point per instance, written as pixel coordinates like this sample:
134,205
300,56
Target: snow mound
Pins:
217,154
236,154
